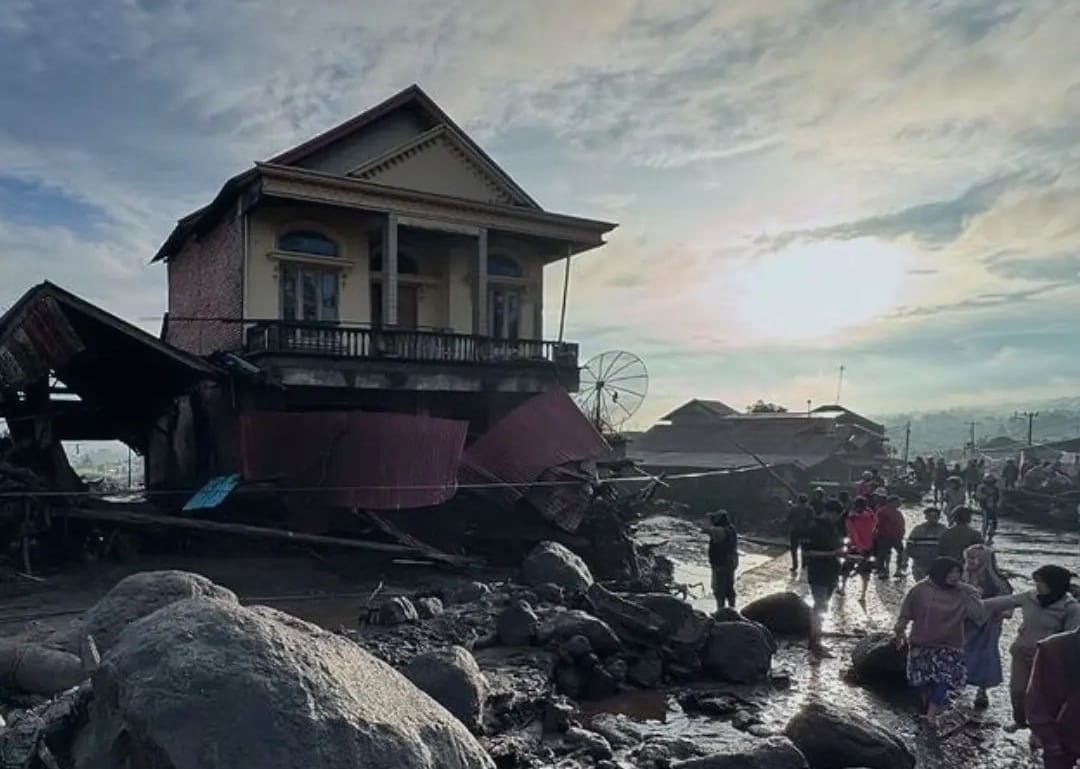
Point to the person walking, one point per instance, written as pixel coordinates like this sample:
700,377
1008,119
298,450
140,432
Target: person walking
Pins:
971,480
941,474
889,537
924,542
822,548
1052,702
723,557
959,536
860,526
953,496
982,648
988,496
1010,474
1046,610
937,610
798,518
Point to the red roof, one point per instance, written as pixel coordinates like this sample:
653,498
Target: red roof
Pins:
546,431
374,461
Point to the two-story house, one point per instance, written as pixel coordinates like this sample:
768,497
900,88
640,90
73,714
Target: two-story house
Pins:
388,264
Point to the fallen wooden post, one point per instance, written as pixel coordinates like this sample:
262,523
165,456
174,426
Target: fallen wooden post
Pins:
153,519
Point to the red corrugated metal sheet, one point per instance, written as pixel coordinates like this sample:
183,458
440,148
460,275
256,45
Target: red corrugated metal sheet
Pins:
545,431
41,340
375,461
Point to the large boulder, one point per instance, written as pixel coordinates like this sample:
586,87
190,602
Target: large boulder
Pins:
550,563
782,613
837,738
877,661
453,679
37,669
682,623
203,684
517,624
769,753
138,595
738,652
560,625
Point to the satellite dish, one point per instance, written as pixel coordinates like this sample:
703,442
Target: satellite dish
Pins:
612,387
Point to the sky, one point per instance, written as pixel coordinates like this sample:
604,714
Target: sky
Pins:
892,186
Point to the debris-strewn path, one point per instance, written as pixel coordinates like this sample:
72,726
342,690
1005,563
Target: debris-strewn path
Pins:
1020,550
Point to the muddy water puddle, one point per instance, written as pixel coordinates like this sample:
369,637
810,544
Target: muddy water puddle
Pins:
1021,549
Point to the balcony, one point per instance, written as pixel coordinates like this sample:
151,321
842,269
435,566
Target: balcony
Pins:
401,344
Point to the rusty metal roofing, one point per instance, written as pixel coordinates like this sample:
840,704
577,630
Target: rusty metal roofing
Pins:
546,431
352,459
43,340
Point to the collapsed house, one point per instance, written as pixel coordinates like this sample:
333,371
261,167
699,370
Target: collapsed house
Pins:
755,460
348,325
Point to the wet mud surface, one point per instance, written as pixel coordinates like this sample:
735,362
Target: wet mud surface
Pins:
1020,549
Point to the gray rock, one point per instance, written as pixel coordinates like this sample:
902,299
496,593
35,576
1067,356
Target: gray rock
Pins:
727,614
738,652
453,679
569,680
467,592
552,563
646,670
428,607
517,625
678,748
771,753
397,611
875,660
617,729
138,595
37,669
561,624
785,614
202,684
683,624
575,647
836,738
550,593
594,745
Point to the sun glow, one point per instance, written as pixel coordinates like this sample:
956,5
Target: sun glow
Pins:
814,291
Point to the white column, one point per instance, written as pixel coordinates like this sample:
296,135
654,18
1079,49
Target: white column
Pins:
480,302
390,271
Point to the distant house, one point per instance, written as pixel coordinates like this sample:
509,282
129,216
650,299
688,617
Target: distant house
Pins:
829,443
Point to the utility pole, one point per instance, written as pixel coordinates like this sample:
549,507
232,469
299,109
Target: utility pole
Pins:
808,404
129,468
839,385
1031,424
907,441
971,427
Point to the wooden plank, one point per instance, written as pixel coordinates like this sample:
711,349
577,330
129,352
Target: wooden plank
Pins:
152,519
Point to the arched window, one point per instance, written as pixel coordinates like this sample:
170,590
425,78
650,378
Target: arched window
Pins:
504,267
307,242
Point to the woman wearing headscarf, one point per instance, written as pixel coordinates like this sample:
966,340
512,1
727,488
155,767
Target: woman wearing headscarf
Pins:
1046,610
938,608
982,647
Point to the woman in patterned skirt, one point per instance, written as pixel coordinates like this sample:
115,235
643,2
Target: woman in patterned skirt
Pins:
937,609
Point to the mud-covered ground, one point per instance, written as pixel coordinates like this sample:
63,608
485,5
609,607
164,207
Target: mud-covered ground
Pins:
1020,549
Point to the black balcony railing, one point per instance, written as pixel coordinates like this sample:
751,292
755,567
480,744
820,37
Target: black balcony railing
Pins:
330,340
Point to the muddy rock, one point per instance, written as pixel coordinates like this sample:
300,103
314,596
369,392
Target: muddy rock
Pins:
552,563
141,594
550,593
785,614
397,611
837,738
453,679
682,624
467,592
428,607
560,625
37,669
517,625
771,753
646,670
875,661
339,705
618,730
594,745
739,652
575,647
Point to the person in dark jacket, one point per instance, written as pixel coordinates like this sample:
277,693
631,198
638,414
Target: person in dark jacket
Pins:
822,548
798,518
1052,701
723,557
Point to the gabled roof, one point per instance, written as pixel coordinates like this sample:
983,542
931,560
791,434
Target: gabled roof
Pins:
413,96
704,407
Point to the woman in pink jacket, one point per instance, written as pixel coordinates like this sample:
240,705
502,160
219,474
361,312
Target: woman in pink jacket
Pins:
937,609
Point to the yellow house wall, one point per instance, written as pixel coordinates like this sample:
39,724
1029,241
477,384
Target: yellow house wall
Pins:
448,273
440,170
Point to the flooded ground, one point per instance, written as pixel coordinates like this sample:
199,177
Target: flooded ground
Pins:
1021,549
